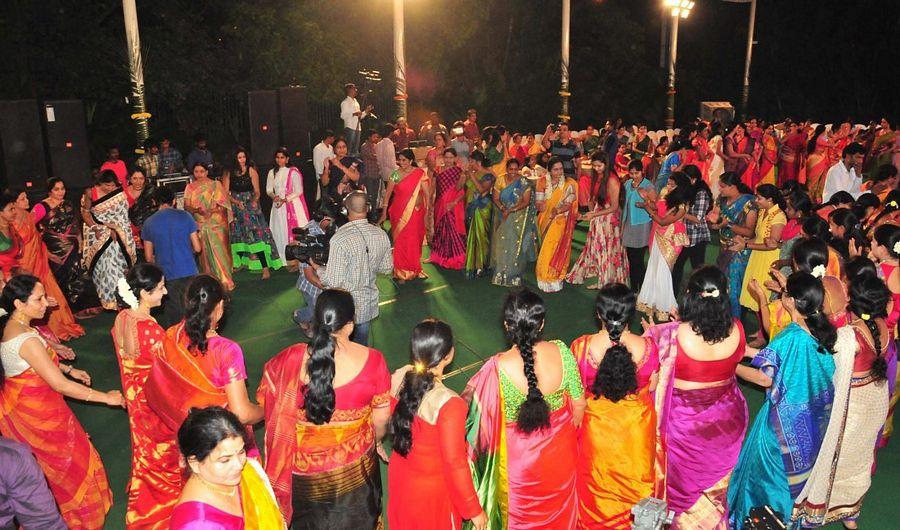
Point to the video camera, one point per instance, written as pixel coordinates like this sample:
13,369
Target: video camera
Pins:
310,247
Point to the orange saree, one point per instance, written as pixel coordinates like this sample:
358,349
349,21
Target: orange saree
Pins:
156,479
408,223
35,261
34,414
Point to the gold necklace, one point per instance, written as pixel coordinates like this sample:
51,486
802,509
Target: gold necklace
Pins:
26,324
215,489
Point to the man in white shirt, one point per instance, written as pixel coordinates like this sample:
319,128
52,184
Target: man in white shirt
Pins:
322,152
843,176
351,114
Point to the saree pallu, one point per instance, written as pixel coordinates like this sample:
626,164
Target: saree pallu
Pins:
34,260
336,476
817,165
657,295
59,230
142,207
555,232
783,444
33,413
768,163
250,234
408,224
513,238
699,436
892,373
10,253
523,481
615,467
108,258
156,479
448,245
215,252
478,218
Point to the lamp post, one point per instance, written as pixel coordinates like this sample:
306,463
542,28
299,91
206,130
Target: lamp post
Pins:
745,90
678,9
399,60
564,56
136,73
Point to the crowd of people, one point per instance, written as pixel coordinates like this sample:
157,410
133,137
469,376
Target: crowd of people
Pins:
546,434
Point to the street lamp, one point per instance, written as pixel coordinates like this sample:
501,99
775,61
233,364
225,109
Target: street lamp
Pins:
679,9
399,60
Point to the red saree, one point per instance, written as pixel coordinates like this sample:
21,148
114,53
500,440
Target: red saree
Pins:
34,414
36,262
408,224
156,479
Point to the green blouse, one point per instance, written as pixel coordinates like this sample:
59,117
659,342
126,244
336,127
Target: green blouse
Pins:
571,385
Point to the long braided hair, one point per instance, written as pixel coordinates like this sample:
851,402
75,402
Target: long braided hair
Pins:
523,318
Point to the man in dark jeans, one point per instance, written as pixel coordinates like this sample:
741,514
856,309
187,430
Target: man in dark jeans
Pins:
170,241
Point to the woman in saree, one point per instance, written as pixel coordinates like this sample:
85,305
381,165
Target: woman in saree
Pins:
702,414
765,244
668,237
717,164
497,149
513,240
409,187
10,242
210,205
327,408
739,150
843,471
108,243
619,372
56,219
35,260
734,216
479,209
143,204
524,408
251,238
768,160
225,490
818,160
557,205
33,410
798,368
429,479
284,184
155,481
882,148
196,367
886,254
603,255
435,163
790,154
642,147
448,247
704,155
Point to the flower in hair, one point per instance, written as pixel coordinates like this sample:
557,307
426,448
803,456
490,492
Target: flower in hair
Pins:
865,316
710,294
897,247
419,367
126,293
3,312
892,204
614,323
818,271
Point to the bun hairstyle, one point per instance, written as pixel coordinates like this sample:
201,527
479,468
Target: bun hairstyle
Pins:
809,297
431,342
869,298
888,236
202,295
523,317
706,306
334,310
143,276
617,374
815,226
17,288
809,254
204,429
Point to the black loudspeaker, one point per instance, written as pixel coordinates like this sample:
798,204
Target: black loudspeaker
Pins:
265,129
67,142
294,122
23,145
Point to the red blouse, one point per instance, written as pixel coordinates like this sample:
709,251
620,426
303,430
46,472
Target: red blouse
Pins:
697,371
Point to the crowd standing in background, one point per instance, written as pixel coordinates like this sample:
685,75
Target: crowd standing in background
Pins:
792,227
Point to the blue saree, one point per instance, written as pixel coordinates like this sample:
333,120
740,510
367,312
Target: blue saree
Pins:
784,441
733,264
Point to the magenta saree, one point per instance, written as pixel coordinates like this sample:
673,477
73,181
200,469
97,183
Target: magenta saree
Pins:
699,439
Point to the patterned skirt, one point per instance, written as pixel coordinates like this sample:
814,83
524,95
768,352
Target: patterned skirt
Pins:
603,255
250,234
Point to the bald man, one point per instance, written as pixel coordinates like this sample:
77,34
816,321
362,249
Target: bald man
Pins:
358,252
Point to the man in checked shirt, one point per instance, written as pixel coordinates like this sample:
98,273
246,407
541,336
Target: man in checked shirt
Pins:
357,253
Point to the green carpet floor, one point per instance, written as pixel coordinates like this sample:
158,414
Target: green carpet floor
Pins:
258,317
